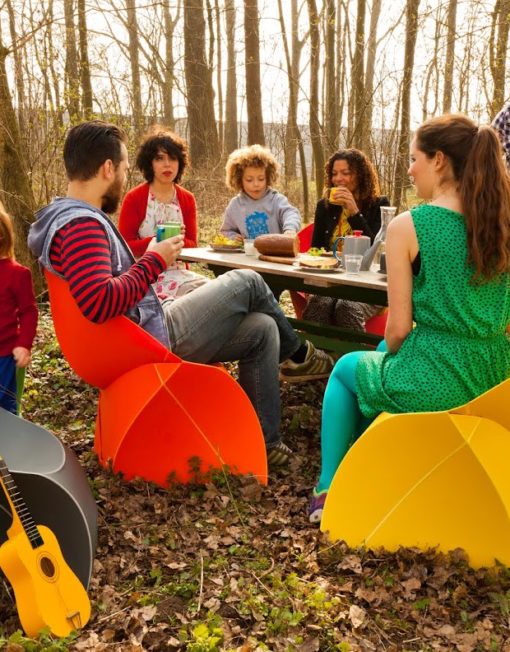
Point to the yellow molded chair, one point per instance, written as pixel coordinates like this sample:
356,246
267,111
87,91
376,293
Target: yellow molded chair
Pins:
433,479
156,412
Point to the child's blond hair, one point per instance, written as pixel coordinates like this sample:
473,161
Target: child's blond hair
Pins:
6,234
253,156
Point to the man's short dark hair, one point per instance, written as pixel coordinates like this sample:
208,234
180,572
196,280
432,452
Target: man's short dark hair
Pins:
88,145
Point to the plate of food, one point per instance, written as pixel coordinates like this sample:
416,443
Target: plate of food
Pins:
318,264
221,243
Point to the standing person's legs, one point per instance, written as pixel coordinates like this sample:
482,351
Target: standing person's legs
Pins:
8,383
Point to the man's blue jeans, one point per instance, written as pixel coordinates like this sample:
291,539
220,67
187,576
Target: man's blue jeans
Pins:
236,317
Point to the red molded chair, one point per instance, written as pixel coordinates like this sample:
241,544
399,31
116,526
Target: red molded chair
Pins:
375,325
156,411
299,299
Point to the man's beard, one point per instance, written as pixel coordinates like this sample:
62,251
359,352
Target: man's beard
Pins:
111,199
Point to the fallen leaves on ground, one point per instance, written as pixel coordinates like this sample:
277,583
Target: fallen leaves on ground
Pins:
231,565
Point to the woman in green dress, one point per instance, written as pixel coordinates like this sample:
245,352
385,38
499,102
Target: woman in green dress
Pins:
448,265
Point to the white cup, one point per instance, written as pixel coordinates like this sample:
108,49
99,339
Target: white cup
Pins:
352,263
249,248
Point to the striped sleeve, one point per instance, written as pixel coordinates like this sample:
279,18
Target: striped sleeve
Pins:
80,252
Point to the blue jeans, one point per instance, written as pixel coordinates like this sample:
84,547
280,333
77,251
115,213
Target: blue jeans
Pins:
236,317
8,383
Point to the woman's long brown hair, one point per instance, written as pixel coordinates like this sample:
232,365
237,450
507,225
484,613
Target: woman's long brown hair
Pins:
476,159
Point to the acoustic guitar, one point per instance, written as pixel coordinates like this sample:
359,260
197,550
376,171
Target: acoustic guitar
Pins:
48,594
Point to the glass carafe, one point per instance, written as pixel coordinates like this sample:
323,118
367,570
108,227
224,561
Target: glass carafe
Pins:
371,257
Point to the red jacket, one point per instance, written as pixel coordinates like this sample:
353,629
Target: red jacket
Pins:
132,214
18,312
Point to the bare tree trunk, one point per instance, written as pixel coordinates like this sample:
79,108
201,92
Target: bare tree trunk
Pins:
450,56
72,87
292,135
432,75
219,73
358,74
366,129
498,46
331,109
315,128
203,135
18,73
342,43
16,191
252,65
134,48
168,84
230,134
86,84
403,147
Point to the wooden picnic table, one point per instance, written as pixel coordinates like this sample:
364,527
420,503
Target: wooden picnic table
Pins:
368,287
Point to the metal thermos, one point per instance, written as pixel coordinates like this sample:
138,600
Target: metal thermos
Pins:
352,244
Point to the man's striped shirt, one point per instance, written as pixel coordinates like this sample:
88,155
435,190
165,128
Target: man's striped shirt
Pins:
80,252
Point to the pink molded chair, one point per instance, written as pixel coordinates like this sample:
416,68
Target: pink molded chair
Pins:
375,325
156,411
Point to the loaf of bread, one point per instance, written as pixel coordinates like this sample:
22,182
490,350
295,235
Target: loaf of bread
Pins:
277,244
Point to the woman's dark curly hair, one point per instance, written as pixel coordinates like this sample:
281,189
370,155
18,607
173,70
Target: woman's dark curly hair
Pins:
367,191
156,139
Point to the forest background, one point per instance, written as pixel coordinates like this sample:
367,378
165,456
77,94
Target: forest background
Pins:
301,76
228,564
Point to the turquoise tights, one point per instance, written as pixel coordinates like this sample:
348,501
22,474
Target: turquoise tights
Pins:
342,420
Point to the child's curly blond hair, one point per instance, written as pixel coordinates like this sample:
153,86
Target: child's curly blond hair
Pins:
253,156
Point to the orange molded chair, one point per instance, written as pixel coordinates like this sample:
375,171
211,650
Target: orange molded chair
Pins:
375,325
156,411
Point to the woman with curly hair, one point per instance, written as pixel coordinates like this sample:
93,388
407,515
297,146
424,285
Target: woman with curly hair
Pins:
162,158
354,206
257,208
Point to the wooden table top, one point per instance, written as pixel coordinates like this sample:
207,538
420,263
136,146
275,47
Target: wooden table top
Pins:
365,280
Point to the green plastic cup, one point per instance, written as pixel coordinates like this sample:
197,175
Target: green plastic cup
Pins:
167,230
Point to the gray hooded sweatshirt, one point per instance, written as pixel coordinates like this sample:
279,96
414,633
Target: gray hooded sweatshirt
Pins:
50,219
272,213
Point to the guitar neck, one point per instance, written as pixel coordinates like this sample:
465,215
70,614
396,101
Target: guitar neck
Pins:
20,511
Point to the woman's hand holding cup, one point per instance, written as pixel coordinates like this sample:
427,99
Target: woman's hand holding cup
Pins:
344,197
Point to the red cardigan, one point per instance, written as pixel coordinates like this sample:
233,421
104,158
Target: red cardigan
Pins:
18,311
132,214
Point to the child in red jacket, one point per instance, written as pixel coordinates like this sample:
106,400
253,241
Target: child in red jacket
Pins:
18,315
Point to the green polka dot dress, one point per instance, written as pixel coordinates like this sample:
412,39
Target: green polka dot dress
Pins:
459,348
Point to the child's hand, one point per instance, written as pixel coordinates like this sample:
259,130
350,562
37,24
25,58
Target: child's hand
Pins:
290,233
21,356
238,238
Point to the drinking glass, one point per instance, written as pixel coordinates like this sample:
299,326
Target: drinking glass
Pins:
352,263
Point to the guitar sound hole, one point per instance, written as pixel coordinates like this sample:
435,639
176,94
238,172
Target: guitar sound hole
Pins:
47,567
